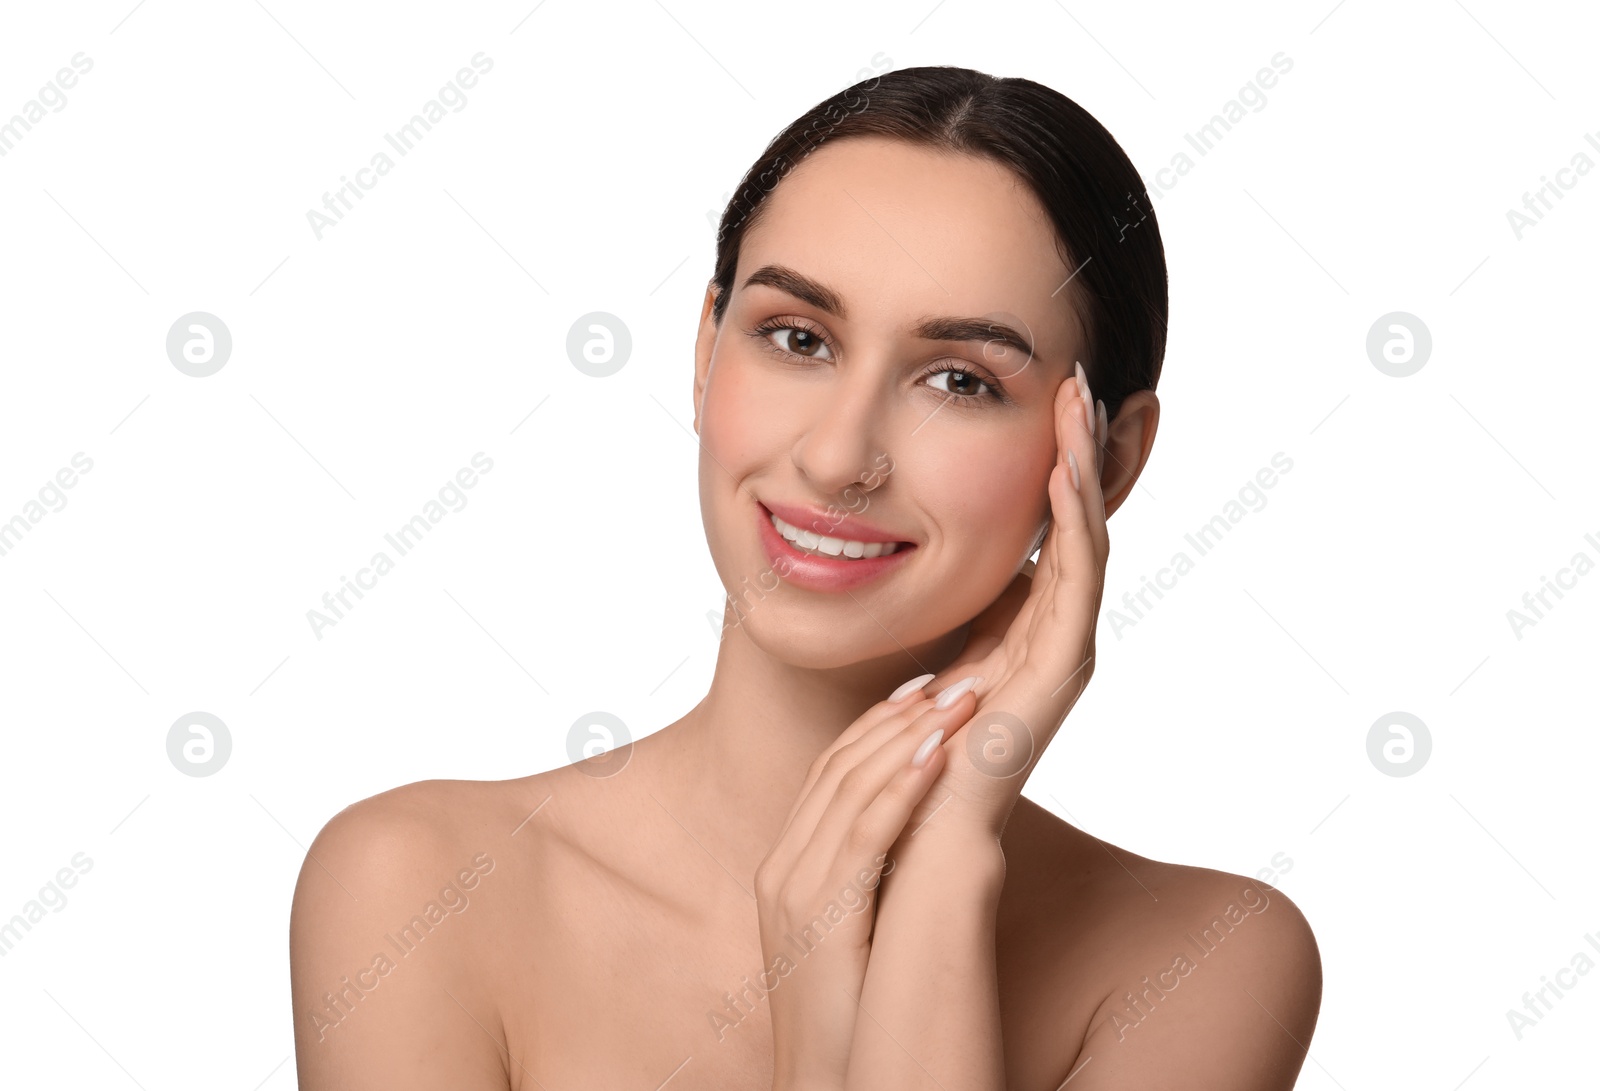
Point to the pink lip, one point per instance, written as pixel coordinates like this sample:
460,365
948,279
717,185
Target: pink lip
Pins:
816,573
829,524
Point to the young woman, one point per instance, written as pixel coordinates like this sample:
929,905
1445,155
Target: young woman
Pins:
928,351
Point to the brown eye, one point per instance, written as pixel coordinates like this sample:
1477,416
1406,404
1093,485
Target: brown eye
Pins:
961,383
802,342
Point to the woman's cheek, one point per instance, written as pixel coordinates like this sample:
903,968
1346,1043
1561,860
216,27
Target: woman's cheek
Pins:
987,482
731,423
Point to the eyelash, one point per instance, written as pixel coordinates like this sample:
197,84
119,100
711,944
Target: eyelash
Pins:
996,393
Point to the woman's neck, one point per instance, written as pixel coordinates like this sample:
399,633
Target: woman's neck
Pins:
734,764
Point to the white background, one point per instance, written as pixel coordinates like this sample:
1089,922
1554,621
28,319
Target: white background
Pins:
1227,726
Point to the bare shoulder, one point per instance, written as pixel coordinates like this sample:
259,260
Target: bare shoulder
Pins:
382,945
1202,977
405,840
427,814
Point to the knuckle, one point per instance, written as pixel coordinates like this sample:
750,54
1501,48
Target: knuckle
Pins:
852,783
862,837
904,785
768,881
836,760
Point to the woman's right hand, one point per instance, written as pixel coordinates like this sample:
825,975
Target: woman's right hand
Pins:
816,889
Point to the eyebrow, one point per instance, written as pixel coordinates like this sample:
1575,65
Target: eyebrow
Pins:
934,328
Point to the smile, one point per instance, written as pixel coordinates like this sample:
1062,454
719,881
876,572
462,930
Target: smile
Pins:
819,562
821,546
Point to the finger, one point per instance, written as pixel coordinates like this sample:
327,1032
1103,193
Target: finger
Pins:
1056,665
1056,658
884,821
843,761
1071,601
878,714
864,738
834,765
1068,413
1094,499
1094,496
1036,581
838,833
1099,543
859,773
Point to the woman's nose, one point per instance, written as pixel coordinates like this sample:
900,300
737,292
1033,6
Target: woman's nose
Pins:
842,435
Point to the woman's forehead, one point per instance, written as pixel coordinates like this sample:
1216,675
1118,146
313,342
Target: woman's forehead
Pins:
898,232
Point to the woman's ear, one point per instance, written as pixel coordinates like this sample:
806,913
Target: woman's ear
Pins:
703,344
1128,441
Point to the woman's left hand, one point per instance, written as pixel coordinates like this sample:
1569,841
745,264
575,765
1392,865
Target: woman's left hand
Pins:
1034,646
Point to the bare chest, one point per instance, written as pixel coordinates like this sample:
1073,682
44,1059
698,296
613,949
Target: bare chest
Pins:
630,966
620,992
628,994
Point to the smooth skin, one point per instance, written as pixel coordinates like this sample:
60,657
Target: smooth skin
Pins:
632,925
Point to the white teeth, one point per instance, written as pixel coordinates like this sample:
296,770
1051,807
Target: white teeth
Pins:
809,542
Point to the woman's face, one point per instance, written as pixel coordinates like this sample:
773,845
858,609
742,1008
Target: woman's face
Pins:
860,376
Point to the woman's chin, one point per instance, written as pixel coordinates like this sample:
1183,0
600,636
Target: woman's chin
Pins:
811,646
813,649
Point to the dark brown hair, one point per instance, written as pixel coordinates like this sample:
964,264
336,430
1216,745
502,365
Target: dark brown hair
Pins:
1104,226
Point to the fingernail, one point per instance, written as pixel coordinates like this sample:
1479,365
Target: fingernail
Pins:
951,694
1072,465
910,687
925,751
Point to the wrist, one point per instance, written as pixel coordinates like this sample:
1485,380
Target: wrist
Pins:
801,1083
804,1078
959,865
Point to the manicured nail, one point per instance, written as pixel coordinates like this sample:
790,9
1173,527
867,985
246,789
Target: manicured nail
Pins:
910,687
951,694
1072,467
1088,399
925,751
1102,430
